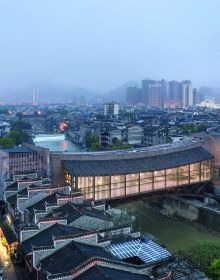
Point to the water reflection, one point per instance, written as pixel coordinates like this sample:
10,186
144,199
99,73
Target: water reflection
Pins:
55,143
175,234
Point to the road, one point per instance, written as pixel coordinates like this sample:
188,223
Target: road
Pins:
9,271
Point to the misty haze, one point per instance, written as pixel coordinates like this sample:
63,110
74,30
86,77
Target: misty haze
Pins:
110,140
89,48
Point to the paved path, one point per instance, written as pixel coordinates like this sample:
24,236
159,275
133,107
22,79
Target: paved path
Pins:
9,271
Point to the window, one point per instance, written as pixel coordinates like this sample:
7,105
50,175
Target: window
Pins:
159,179
195,172
171,177
132,183
117,185
146,181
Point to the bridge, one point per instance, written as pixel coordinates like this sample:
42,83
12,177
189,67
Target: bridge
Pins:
118,174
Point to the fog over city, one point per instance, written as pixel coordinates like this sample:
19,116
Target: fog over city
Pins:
96,46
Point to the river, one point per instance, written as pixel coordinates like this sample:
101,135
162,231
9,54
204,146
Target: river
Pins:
175,234
55,143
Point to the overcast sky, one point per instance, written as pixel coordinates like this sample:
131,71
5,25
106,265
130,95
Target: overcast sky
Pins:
99,44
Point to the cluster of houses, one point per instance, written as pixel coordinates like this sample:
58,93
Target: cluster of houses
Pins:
56,234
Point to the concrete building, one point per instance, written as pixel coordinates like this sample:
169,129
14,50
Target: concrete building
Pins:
37,121
5,128
135,135
35,97
188,94
175,96
107,135
155,136
111,109
152,92
23,160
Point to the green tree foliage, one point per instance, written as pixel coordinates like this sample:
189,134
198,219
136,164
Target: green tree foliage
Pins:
91,141
203,254
96,147
7,143
18,136
215,269
15,137
20,125
114,140
194,127
119,145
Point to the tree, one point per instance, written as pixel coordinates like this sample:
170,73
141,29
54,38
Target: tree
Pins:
119,145
91,139
96,147
7,143
114,140
215,269
203,254
18,136
20,125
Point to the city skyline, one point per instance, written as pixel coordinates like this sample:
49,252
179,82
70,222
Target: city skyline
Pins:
102,45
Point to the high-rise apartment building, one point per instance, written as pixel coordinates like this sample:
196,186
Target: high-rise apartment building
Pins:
175,96
35,97
160,93
188,94
152,92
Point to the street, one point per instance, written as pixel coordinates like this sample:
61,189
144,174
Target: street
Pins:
9,271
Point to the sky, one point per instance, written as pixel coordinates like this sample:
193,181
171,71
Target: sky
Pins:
100,44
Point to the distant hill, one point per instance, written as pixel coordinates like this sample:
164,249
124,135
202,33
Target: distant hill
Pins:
49,92
46,93
213,92
119,94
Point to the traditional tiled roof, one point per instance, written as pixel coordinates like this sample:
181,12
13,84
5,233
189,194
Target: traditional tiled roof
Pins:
40,204
110,273
67,211
45,237
12,187
72,212
71,256
13,198
135,165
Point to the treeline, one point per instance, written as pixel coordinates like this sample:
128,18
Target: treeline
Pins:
194,127
92,143
16,136
206,255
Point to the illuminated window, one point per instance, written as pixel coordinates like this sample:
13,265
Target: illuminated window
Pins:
132,183
171,177
117,185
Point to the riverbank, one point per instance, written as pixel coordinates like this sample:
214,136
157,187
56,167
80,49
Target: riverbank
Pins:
173,233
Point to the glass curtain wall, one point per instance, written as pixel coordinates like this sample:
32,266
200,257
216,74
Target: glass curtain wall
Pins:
146,181
117,185
132,183
104,187
171,177
195,172
206,170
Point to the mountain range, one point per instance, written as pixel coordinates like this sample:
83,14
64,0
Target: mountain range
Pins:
47,92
